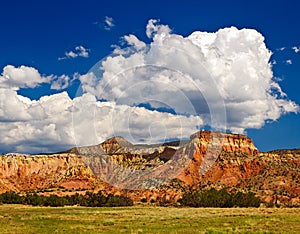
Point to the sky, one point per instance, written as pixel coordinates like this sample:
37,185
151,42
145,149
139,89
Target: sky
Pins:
78,72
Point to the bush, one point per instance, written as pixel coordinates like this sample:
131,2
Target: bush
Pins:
94,199
89,199
11,198
34,199
118,201
246,200
55,201
144,200
219,198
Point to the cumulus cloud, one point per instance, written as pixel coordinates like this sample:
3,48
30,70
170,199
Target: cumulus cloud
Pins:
296,49
21,77
56,122
16,78
136,124
226,74
60,82
154,28
79,51
34,126
132,40
222,79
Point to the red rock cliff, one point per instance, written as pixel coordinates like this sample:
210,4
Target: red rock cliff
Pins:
208,146
209,159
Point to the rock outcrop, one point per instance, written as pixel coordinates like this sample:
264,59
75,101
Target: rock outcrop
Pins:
19,172
207,160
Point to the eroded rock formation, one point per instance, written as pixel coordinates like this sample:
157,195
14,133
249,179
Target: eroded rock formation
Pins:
208,159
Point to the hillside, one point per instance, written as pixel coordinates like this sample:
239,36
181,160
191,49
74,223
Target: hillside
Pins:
208,159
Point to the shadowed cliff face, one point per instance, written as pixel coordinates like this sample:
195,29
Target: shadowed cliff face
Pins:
208,159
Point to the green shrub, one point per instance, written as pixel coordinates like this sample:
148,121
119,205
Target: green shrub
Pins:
34,199
55,201
11,198
219,198
246,200
94,199
89,199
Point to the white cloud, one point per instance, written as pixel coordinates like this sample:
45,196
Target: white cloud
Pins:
132,40
16,78
222,79
21,77
108,23
57,122
289,62
71,54
296,49
95,121
79,51
154,28
82,52
60,82
212,75
34,126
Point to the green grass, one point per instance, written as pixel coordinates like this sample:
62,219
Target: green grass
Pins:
147,219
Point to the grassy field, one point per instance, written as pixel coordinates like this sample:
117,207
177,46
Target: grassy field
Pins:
141,219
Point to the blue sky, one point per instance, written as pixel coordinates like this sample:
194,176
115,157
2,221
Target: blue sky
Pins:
41,34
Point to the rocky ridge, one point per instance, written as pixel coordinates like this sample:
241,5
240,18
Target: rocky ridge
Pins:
208,159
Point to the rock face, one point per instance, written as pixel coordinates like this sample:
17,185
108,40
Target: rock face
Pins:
208,159
206,149
32,172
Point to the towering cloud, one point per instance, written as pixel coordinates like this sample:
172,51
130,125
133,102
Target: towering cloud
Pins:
226,74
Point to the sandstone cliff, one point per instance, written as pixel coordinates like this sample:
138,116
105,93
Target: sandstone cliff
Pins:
20,172
208,159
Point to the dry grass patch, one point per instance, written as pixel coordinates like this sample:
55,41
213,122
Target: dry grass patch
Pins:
147,219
